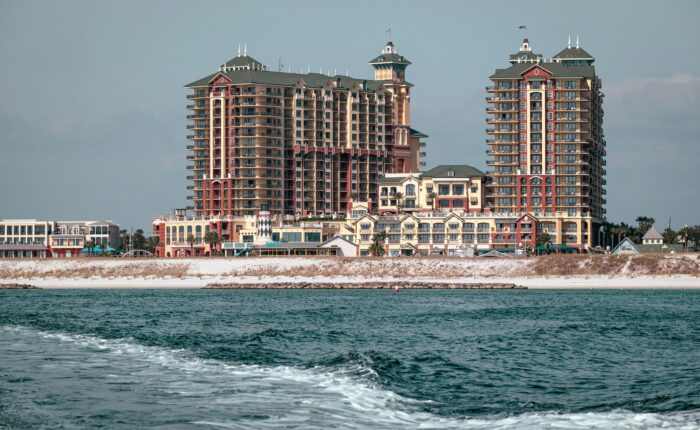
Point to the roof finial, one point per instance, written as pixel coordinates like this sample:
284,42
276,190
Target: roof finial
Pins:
245,50
239,49
577,41
568,45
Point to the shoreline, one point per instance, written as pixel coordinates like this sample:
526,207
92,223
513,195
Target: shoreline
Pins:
679,282
553,272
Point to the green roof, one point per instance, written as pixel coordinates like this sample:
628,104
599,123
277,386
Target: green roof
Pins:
315,80
556,69
460,171
244,61
573,54
416,133
525,56
390,58
384,179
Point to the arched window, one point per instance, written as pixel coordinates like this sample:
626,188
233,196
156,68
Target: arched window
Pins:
75,229
410,190
536,181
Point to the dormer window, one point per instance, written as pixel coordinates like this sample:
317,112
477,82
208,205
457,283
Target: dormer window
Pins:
450,173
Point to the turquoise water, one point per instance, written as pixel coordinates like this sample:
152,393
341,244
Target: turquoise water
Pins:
349,359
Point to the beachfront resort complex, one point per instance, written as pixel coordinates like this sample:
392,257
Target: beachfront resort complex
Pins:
314,156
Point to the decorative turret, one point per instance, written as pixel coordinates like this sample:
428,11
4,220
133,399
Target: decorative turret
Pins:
525,54
573,56
242,62
389,65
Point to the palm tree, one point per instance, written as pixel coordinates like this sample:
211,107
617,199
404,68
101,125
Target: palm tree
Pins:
398,196
645,223
102,247
212,238
191,240
376,249
152,243
90,245
432,196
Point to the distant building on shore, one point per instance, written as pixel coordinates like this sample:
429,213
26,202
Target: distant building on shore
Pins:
546,145
652,243
326,155
302,144
30,238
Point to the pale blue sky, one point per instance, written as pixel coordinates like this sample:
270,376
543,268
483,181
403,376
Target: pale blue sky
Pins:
92,104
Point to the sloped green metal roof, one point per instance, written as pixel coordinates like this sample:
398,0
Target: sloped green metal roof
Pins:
460,171
315,80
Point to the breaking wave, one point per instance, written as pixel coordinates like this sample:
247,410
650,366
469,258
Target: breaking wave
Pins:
343,394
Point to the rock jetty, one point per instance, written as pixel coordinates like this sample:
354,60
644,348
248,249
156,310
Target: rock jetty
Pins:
404,285
18,287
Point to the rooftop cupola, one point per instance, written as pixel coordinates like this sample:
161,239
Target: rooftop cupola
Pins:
573,56
525,54
389,65
242,62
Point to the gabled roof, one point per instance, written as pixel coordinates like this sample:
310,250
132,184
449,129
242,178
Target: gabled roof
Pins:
460,171
336,237
398,179
573,54
653,233
626,241
416,133
315,80
557,70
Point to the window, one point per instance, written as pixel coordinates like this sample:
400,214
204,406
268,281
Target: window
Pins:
443,189
410,190
458,189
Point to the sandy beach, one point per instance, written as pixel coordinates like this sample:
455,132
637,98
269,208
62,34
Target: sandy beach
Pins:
556,272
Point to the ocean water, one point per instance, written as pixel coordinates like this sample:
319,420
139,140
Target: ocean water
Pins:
349,359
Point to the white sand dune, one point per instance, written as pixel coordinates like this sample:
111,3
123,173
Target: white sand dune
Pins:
196,273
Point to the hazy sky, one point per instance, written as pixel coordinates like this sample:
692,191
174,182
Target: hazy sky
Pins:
92,104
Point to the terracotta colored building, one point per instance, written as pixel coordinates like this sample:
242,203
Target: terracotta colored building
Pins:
546,143
297,143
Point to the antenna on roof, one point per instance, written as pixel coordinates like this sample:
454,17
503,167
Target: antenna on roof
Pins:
245,50
335,72
239,49
308,69
320,70
577,41
280,66
568,45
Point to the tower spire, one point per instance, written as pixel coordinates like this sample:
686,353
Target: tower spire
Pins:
577,41
568,45
245,50
239,49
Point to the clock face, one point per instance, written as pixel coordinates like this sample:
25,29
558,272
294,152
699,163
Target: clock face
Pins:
536,72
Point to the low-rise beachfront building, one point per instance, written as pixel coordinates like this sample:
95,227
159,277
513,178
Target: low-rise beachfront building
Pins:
463,233
24,238
30,238
652,243
240,235
445,187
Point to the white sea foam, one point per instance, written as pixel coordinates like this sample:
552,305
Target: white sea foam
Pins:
244,396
